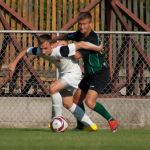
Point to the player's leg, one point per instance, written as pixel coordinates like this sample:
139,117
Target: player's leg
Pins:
56,104
57,86
78,113
78,98
56,97
71,80
90,101
98,84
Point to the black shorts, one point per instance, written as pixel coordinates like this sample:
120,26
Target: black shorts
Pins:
99,82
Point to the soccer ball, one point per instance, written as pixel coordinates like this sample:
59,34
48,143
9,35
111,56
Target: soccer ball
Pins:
59,124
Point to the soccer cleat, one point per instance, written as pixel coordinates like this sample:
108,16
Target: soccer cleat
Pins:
91,128
49,125
80,125
113,125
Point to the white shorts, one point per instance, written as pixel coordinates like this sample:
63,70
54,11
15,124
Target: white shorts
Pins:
71,80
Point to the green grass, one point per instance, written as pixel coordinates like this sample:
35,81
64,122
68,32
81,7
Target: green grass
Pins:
44,139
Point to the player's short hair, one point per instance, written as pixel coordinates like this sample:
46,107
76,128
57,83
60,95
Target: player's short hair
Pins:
44,38
85,15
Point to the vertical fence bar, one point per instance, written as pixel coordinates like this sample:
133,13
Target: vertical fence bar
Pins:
108,20
48,15
54,15
141,80
97,17
128,64
41,60
75,13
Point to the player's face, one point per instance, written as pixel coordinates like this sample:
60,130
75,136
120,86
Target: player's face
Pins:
85,26
46,48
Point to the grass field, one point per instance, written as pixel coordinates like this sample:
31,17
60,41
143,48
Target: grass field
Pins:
44,139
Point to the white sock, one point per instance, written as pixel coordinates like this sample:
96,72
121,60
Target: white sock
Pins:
56,104
80,115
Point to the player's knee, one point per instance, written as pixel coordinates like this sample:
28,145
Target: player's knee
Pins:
90,103
52,90
67,105
76,100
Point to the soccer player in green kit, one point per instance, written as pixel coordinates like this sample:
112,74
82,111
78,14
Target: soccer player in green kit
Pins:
96,73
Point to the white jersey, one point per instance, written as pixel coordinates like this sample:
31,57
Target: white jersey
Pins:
65,65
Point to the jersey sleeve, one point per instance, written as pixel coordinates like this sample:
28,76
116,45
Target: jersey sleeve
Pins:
64,51
92,39
72,36
33,51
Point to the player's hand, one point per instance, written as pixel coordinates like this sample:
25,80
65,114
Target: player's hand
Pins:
11,67
62,43
100,47
77,55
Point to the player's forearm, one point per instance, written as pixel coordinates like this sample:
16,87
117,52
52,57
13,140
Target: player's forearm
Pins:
13,64
89,46
57,38
19,57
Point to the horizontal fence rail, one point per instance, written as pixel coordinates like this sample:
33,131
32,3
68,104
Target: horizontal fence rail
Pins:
58,32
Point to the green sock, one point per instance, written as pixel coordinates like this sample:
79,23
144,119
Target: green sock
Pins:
99,108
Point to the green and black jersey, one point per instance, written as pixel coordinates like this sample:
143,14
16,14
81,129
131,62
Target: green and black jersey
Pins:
93,61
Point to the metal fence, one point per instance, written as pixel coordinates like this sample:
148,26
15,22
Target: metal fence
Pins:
127,54
23,93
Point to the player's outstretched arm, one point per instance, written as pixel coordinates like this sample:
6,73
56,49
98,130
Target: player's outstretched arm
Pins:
88,46
71,49
13,64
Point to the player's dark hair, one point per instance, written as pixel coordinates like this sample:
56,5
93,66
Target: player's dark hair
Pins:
44,38
85,15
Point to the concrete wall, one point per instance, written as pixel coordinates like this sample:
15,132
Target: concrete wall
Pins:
36,112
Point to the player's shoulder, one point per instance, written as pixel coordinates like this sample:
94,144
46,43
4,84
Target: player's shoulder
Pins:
93,38
72,36
93,34
33,50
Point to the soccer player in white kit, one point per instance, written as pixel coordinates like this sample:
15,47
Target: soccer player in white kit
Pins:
69,73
